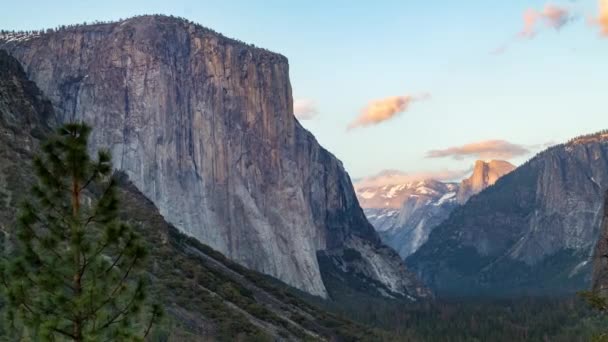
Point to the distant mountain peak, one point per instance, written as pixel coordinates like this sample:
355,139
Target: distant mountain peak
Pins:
485,174
405,212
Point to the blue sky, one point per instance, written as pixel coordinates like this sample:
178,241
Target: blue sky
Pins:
344,54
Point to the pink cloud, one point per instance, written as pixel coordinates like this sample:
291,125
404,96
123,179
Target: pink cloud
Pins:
304,109
385,109
530,17
553,16
487,149
394,177
602,19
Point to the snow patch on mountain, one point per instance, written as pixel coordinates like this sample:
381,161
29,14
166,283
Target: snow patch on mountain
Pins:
405,213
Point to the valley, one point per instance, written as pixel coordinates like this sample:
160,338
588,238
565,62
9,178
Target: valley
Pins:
254,231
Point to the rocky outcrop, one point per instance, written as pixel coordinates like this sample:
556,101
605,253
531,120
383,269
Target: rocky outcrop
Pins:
532,232
203,125
485,174
404,214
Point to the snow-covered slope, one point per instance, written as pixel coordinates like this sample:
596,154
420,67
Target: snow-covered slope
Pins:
405,212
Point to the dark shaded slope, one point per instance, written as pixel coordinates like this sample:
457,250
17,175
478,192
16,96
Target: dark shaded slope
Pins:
209,296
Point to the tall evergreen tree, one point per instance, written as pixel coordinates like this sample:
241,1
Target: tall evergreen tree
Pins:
75,270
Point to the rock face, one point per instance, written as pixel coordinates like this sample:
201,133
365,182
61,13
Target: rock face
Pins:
207,296
24,117
600,256
484,175
532,232
203,125
404,214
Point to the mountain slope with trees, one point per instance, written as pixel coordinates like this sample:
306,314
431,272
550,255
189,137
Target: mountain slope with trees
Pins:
205,295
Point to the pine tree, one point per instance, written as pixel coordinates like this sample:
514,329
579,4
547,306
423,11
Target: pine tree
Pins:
75,271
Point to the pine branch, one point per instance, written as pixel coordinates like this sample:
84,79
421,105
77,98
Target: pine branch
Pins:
155,314
65,333
120,312
118,286
36,237
131,238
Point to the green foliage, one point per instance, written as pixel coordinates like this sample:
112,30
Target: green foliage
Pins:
599,303
595,300
74,272
201,287
522,319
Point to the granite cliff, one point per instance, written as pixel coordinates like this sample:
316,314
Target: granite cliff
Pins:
206,296
485,174
600,256
203,126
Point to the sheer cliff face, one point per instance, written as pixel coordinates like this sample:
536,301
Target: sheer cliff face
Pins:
600,256
532,232
203,126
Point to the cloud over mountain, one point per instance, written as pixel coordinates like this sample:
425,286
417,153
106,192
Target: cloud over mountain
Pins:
394,177
486,149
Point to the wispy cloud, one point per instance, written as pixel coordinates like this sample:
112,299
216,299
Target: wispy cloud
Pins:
394,177
557,17
530,17
552,16
500,50
385,109
487,149
304,109
542,146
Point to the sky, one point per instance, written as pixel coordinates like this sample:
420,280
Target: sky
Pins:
425,87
